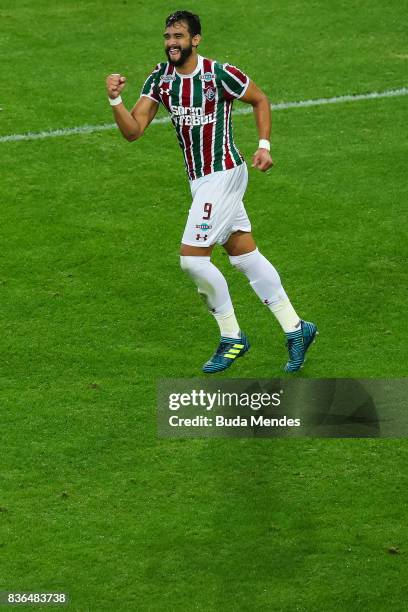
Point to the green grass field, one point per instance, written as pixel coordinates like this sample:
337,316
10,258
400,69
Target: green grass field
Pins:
95,310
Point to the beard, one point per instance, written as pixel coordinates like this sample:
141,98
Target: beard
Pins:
184,55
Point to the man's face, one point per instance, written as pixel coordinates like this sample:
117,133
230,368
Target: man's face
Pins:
178,43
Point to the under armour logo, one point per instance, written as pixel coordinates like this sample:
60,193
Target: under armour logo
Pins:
200,237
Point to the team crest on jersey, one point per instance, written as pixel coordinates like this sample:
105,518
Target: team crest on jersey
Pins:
209,94
168,78
207,76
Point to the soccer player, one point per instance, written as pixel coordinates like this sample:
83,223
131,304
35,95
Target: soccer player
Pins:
199,93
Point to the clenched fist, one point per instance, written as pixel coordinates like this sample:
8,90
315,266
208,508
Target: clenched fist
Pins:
262,160
114,84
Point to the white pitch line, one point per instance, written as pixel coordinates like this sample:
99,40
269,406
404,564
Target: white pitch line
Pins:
90,129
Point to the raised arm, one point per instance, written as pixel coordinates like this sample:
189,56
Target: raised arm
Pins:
132,124
262,111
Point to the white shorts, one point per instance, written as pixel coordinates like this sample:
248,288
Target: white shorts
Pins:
217,209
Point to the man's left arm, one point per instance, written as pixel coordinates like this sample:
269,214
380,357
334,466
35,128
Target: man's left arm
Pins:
262,110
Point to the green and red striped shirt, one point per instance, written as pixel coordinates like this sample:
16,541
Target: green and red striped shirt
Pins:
200,106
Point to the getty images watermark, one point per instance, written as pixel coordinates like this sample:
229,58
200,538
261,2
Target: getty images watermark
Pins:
289,407
211,401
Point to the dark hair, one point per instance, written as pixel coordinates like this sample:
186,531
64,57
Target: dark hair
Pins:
193,21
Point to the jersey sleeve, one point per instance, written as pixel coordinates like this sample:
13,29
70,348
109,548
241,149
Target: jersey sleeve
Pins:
234,82
150,88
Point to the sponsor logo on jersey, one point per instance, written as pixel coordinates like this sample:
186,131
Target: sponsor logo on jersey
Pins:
204,226
209,94
186,110
168,78
207,76
200,237
190,115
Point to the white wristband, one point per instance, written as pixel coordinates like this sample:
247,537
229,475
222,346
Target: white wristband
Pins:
264,144
115,101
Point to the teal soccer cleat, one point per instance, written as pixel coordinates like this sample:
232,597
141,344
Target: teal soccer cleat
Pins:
298,343
228,350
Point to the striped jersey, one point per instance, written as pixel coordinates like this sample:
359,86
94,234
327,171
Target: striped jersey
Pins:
200,106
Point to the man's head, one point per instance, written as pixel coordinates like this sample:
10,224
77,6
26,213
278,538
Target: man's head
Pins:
181,36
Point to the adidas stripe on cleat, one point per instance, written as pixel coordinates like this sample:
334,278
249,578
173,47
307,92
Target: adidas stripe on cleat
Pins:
298,342
228,350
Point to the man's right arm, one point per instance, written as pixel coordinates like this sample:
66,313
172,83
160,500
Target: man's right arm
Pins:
132,124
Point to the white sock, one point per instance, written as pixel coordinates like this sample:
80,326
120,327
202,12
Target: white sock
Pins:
265,281
228,324
213,287
285,315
